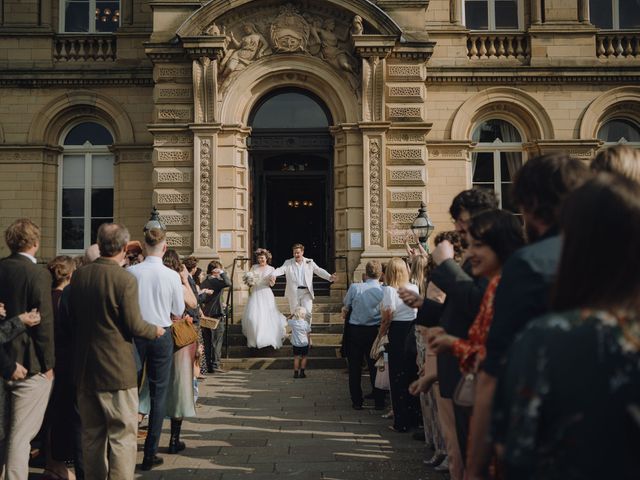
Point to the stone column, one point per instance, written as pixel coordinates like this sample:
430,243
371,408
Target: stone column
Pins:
455,12
583,11
536,13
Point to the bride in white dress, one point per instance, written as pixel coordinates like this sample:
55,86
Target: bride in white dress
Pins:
262,322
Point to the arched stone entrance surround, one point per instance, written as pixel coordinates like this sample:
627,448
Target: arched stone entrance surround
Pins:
370,79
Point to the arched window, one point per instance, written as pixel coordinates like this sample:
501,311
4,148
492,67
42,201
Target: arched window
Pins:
290,109
496,158
85,186
620,130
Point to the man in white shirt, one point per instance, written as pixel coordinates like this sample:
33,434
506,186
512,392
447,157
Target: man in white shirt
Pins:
299,272
161,295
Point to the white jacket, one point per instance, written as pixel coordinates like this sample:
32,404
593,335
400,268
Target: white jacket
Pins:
288,269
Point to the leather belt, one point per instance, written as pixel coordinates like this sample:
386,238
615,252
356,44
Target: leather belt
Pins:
303,288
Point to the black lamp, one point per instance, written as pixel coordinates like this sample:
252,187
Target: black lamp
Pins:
422,226
154,221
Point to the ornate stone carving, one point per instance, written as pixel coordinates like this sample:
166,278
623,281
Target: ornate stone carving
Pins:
406,196
405,137
174,156
160,140
173,175
447,153
170,73
375,203
410,72
179,240
174,93
404,113
403,218
19,157
405,93
174,114
310,29
410,176
407,154
175,218
171,197
205,192
205,89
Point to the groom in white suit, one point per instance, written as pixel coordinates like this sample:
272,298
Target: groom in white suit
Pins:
299,273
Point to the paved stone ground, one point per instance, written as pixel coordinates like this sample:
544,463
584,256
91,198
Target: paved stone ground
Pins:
263,424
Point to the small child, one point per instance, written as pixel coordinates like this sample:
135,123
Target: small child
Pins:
300,329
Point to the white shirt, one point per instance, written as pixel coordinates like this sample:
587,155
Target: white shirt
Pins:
160,291
30,257
300,273
299,332
401,312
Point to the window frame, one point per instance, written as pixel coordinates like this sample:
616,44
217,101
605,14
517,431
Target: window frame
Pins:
88,150
495,148
628,143
491,18
92,25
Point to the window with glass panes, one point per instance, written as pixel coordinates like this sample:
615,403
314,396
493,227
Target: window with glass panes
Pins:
90,16
86,186
496,158
615,14
620,130
492,14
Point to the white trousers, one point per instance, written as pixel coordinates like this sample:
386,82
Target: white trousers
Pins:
302,299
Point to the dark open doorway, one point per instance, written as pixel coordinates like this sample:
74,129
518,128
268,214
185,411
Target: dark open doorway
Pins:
291,159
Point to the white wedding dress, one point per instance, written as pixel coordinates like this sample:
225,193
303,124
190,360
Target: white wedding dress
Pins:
262,322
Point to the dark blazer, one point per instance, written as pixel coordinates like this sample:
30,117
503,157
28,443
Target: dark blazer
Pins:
455,315
24,286
522,295
213,304
105,310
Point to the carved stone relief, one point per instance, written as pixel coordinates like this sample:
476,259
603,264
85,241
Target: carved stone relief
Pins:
205,192
406,154
172,175
404,113
179,240
306,28
406,176
174,114
174,155
171,197
375,174
406,196
175,218
405,72
205,88
160,140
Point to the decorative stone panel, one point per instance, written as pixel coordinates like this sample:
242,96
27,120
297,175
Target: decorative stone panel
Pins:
375,197
176,218
398,238
406,175
400,197
173,94
402,218
406,155
134,156
205,193
180,240
174,156
456,153
172,73
399,72
405,113
165,175
174,114
172,139
411,93
171,196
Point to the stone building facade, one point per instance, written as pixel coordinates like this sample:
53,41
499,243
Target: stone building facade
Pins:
158,104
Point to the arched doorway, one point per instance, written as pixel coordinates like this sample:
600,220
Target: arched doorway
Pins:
291,158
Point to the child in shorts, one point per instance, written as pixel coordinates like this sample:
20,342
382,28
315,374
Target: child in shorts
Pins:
300,329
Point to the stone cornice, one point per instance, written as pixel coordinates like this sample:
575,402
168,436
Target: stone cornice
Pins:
47,154
138,76
526,75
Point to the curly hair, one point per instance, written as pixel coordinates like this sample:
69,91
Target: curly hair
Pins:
171,260
263,251
454,239
61,269
190,262
474,200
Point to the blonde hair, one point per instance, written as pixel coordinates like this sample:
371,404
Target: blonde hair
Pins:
620,159
396,274
21,235
61,269
419,273
300,313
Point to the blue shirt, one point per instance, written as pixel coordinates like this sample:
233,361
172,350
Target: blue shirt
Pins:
364,300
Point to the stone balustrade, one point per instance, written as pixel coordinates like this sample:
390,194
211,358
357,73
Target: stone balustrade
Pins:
618,44
498,46
84,48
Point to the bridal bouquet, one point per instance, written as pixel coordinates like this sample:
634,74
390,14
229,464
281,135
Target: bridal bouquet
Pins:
249,278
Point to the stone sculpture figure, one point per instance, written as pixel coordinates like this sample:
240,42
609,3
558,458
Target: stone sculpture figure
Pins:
330,49
357,28
251,47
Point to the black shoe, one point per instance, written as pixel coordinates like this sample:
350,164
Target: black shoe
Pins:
418,435
296,374
302,375
176,446
149,462
356,406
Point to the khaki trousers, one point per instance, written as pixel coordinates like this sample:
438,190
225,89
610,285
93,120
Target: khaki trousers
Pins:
109,433
448,426
28,399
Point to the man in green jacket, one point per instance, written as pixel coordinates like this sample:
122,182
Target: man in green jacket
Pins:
105,310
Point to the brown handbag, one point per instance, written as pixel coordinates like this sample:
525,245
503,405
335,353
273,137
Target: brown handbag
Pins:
184,333
209,322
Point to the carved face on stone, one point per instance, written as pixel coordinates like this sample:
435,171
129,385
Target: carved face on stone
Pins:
330,24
